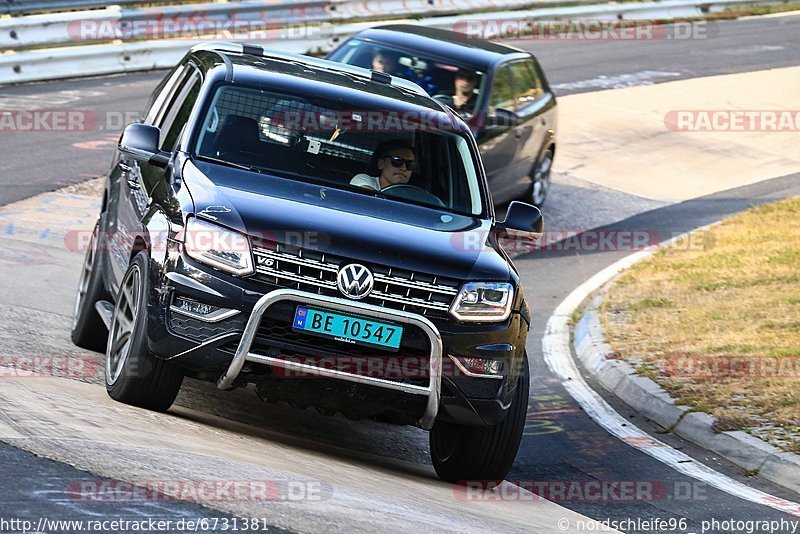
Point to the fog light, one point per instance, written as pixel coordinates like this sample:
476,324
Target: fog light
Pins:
479,367
200,310
494,366
194,307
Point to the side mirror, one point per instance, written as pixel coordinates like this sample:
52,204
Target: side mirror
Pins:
501,120
140,142
524,220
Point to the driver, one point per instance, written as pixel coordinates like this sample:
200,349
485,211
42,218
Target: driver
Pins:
384,62
393,162
465,96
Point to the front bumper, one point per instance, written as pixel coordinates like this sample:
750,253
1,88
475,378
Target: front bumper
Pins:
243,354
224,351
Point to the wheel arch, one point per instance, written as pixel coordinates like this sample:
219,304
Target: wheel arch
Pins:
549,144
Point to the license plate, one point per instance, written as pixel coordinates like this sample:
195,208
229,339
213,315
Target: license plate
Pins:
348,329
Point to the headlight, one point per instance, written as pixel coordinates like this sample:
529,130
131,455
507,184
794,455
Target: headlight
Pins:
483,301
218,247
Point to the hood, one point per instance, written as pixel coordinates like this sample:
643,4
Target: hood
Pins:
344,223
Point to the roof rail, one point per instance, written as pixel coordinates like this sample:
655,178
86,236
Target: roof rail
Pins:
366,74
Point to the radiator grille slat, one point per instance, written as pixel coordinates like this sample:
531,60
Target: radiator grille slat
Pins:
307,270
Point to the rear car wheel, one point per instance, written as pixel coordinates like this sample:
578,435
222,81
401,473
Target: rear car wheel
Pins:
134,375
88,329
541,179
462,453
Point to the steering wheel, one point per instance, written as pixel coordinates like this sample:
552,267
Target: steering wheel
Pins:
412,192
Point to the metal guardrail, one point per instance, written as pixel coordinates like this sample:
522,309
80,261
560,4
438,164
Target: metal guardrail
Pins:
112,23
269,17
96,59
23,7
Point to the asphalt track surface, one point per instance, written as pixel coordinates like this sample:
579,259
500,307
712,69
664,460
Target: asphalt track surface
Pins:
561,442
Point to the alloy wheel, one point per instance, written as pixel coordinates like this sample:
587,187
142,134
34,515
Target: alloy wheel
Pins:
541,179
123,324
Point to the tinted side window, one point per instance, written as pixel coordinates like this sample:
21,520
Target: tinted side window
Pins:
155,105
527,84
178,111
502,95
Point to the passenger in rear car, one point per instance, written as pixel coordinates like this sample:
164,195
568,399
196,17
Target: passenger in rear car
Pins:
392,161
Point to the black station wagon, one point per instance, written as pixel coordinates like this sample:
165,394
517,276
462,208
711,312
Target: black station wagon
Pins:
500,91
321,231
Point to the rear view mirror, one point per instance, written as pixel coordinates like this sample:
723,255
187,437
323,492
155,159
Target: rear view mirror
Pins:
524,220
140,142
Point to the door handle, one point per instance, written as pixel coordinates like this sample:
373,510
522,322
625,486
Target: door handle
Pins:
125,167
133,183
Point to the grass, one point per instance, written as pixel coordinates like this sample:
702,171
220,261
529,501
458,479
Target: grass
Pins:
719,328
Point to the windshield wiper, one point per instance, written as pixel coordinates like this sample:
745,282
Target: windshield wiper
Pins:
229,164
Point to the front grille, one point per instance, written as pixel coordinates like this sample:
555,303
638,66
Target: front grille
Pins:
315,272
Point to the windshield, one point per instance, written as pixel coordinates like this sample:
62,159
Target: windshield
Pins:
456,85
402,156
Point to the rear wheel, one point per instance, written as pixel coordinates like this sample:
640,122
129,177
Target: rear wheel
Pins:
88,329
462,453
541,179
134,375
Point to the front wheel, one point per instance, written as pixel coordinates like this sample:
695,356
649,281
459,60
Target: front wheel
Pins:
462,453
134,375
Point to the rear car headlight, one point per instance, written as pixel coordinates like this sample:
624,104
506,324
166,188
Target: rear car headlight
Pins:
483,302
218,247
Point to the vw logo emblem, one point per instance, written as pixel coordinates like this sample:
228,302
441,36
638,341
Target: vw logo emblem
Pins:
355,281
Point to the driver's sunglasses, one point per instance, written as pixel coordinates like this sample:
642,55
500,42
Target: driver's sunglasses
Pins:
399,161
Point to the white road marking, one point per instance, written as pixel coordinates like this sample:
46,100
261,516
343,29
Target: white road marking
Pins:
45,100
750,50
771,16
647,77
558,356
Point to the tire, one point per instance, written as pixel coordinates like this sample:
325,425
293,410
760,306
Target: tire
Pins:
88,329
462,453
541,180
133,375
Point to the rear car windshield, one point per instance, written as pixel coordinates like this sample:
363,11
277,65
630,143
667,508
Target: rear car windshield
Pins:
436,76
326,142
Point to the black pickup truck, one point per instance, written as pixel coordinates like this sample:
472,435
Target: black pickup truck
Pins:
322,231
